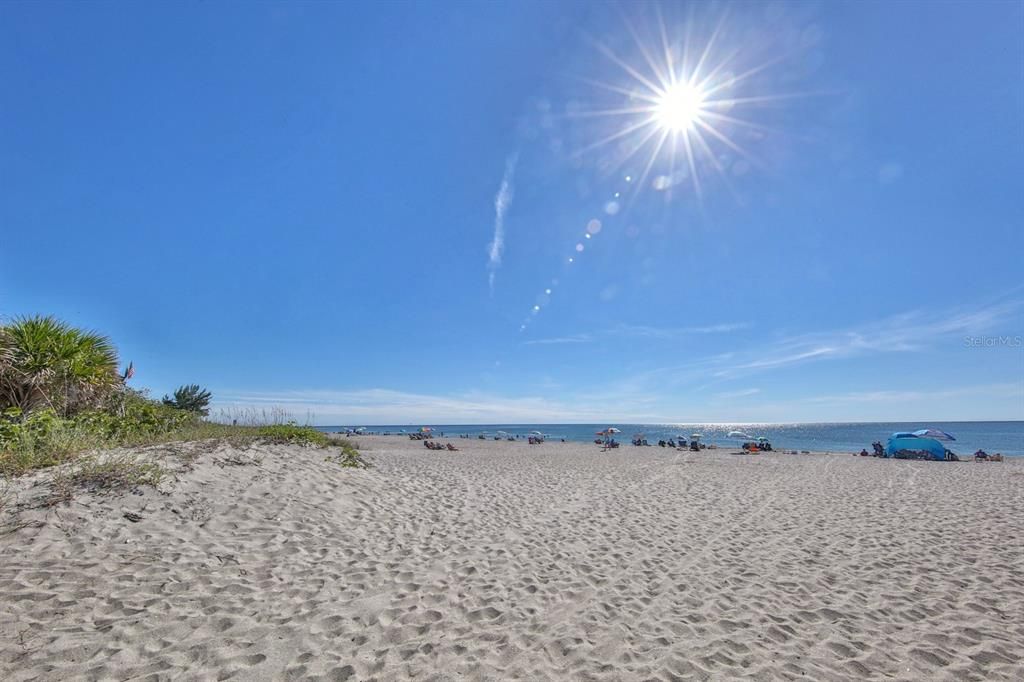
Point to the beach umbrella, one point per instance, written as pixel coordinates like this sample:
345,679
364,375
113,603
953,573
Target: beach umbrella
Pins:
612,429
425,429
739,434
536,433
935,434
696,436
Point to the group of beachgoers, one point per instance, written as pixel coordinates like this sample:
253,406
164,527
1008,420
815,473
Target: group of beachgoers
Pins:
532,439
877,447
878,450
640,441
434,445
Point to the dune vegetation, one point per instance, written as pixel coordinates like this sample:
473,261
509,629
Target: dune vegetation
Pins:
63,398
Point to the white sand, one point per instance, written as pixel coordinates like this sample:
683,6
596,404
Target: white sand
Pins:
510,561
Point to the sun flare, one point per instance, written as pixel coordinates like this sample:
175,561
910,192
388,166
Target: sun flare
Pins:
679,107
686,111
689,98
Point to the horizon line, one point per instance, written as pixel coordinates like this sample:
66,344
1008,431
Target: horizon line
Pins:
689,423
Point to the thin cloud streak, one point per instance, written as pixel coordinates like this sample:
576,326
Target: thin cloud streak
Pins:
899,333
502,200
923,406
641,332
386,406
910,331
742,393
900,397
577,338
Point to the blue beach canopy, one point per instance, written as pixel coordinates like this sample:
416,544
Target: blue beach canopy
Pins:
933,433
908,441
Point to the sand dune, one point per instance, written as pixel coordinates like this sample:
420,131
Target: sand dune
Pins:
510,561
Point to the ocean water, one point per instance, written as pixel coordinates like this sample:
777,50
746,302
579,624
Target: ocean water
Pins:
1004,437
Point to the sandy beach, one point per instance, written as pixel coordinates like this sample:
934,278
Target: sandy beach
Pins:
511,561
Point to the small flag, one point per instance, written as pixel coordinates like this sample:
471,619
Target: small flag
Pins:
130,372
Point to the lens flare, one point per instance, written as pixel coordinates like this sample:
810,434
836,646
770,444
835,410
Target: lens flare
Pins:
684,100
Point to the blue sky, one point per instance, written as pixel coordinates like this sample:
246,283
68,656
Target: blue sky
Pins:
352,209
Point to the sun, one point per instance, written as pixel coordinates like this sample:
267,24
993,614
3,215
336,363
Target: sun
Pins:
689,104
679,107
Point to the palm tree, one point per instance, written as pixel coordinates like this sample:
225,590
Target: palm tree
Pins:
191,398
47,363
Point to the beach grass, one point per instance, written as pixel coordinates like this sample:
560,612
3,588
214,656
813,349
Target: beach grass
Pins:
63,400
44,440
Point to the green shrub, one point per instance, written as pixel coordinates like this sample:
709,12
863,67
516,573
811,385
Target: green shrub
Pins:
349,457
142,420
190,398
42,438
48,364
292,434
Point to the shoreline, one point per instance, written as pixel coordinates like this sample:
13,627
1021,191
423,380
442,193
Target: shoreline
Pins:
455,439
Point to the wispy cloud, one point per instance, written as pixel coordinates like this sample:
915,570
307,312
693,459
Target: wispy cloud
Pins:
909,331
1005,390
575,338
385,406
641,332
718,328
501,203
781,360
742,393
983,401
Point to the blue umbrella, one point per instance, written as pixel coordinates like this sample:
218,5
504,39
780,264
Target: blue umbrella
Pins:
933,433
